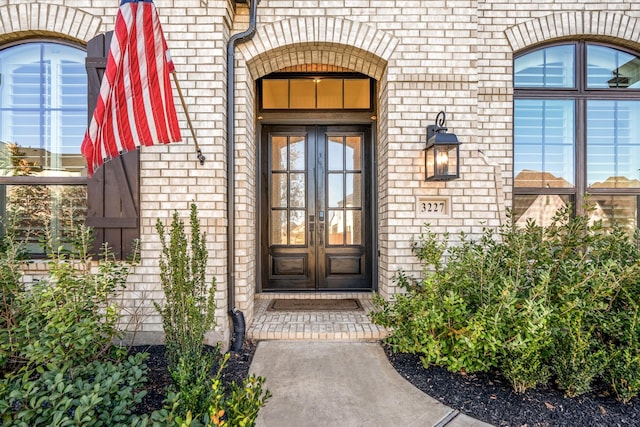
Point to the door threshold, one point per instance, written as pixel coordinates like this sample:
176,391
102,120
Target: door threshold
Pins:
352,325
314,295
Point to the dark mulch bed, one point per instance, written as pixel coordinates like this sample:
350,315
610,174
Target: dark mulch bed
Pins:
237,369
490,398
485,396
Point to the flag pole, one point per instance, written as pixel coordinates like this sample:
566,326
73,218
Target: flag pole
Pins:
184,106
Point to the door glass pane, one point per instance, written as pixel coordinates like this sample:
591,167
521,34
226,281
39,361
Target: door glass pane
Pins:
279,190
335,190
303,94
550,67
275,94
540,208
357,93
353,154
354,190
329,93
298,227
279,234
616,210
336,227
278,153
612,68
613,144
335,153
298,193
544,143
297,151
354,227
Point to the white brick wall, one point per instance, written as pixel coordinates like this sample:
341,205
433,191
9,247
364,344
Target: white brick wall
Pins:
426,55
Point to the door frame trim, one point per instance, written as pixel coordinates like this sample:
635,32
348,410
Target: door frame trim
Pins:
260,175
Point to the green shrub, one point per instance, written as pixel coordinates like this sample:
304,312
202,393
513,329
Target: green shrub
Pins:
57,355
245,401
438,317
235,406
188,311
10,289
189,308
101,393
534,302
623,373
192,380
623,331
64,368
238,406
187,314
71,315
523,356
582,309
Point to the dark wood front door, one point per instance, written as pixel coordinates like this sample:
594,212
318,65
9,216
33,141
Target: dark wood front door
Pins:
316,193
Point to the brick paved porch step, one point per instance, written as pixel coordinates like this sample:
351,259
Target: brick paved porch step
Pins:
309,325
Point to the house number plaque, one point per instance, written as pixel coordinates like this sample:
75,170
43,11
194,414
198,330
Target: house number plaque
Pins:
433,207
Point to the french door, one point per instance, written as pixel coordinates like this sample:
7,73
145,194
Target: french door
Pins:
315,196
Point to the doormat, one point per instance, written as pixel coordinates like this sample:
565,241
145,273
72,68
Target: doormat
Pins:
347,304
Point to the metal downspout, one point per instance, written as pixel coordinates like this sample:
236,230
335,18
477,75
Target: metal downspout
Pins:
237,332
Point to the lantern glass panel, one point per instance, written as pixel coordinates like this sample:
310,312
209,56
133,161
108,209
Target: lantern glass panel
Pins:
429,162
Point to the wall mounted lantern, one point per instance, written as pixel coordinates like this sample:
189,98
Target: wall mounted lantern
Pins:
442,155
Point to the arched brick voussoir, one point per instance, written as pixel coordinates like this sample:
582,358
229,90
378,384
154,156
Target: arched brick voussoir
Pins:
331,40
605,25
33,19
346,57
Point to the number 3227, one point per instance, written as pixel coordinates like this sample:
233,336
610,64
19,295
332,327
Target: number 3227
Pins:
432,207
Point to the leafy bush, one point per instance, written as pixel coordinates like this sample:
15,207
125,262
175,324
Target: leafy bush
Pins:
57,354
71,315
188,313
63,367
240,405
535,303
189,308
623,370
101,393
522,358
10,289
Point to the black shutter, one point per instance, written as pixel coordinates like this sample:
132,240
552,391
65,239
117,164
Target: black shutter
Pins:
113,193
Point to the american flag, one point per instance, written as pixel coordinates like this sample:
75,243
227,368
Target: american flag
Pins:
135,106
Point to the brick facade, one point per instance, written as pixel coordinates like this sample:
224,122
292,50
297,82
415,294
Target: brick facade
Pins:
426,56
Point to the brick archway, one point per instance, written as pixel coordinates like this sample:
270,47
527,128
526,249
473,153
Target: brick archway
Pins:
294,43
319,40
39,19
617,27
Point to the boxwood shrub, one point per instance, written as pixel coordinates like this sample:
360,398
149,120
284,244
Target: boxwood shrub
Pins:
539,304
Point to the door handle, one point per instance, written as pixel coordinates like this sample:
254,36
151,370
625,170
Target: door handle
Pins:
311,233
321,231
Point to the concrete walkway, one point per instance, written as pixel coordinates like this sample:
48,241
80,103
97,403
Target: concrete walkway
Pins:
342,384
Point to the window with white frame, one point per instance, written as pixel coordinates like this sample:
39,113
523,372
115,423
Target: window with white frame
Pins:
577,132
43,116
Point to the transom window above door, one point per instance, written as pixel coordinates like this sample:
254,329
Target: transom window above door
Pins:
315,92
576,131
